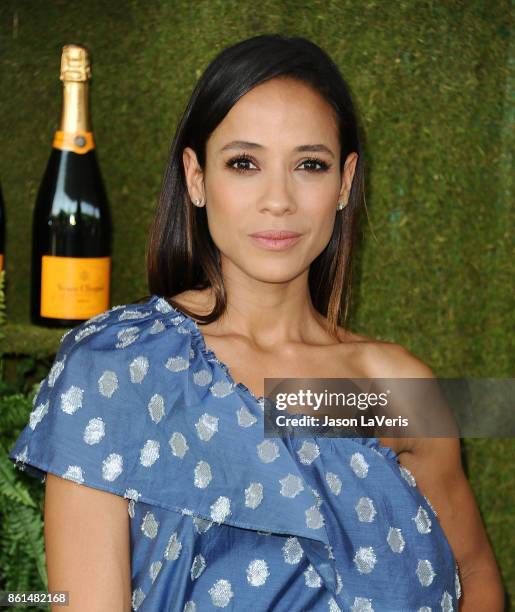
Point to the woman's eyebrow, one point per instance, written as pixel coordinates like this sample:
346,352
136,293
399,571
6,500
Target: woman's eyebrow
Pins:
243,144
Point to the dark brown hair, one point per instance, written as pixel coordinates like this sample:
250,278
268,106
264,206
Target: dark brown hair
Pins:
180,253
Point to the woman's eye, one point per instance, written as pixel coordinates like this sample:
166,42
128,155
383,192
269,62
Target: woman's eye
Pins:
323,165
238,160
240,164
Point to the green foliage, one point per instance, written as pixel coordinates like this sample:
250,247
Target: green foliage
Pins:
22,554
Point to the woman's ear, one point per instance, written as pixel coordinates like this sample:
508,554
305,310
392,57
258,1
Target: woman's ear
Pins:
348,174
193,174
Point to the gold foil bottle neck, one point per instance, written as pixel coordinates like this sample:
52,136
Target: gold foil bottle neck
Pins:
75,64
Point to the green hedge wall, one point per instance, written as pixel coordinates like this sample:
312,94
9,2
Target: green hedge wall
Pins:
433,81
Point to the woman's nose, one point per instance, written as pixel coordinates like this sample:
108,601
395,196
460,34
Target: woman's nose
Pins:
277,194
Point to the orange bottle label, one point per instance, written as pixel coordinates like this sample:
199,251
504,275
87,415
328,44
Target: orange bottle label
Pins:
74,287
1,261
78,142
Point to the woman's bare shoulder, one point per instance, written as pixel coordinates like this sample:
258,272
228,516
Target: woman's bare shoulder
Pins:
386,359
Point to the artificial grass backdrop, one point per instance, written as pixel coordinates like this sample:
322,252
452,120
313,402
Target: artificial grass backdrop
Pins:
432,84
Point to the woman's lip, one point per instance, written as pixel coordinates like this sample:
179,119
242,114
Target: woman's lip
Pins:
276,234
275,244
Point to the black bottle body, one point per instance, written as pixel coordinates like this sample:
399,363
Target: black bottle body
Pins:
71,242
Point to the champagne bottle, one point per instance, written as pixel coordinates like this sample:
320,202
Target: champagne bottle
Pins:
71,231
2,230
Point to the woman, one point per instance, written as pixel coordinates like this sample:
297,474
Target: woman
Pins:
157,406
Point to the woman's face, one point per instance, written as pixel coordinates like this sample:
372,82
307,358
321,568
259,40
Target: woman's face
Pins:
273,163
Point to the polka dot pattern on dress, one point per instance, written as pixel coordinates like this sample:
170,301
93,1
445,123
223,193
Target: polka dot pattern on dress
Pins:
220,515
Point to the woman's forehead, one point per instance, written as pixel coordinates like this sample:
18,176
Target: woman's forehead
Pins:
276,112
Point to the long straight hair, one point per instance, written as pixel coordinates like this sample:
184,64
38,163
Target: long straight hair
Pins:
180,253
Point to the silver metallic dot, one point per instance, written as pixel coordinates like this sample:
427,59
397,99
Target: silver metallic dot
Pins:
253,495
132,494
365,509
362,604
23,456
221,509
201,525
149,525
55,370
85,331
173,548
292,551
202,474
88,330
365,559
37,414
334,482
206,426
130,314
245,418
137,598
222,388
314,518
118,307
395,540
127,336
333,606
138,368
446,602
149,453
339,582
221,593
425,572
312,578
177,364
197,567
457,583
178,444
359,465
429,504
131,508
71,400
268,451
317,496
94,431
112,467
202,378
422,520
408,476
154,570
308,452
257,572
291,485
101,316
74,472
108,383
156,407
157,327
162,305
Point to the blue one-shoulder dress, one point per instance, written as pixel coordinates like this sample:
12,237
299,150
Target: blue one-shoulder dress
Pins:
137,405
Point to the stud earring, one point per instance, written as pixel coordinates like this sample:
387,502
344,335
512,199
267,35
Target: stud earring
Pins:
199,203
341,205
